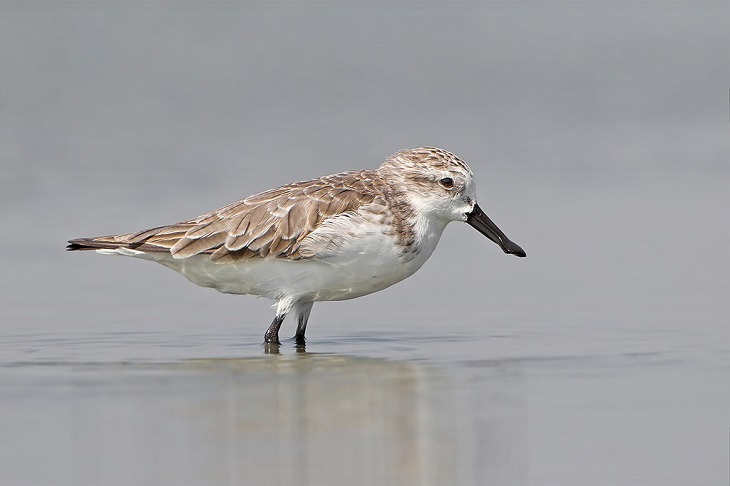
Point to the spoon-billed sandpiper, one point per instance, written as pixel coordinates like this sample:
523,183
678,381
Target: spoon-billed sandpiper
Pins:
333,238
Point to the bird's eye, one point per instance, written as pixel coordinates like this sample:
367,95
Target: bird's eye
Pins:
447,183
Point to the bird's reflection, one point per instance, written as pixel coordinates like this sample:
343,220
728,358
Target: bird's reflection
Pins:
275,348
300,418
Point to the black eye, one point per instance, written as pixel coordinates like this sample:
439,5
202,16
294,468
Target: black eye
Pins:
447,182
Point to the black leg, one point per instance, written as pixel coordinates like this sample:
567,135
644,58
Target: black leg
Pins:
301,329
272,333
303,317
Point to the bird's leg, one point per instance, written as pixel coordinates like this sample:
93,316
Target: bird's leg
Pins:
303,316
272,333
283,306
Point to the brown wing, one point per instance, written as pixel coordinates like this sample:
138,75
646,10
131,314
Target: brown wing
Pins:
272,223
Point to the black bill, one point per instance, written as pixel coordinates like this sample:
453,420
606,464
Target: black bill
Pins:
485,226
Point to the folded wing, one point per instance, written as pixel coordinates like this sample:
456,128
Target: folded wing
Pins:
269,224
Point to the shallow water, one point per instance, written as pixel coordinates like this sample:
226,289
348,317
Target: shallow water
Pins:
598,136
121,408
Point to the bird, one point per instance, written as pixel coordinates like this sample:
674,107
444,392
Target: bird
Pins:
333,238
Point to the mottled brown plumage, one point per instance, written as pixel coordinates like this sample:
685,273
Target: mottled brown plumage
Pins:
270,224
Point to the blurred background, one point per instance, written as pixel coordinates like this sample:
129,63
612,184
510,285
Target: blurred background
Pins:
599,136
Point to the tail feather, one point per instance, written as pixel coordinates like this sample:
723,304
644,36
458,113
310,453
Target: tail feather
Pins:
93,244
109,243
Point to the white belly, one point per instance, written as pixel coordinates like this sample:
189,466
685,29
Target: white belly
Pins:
363,266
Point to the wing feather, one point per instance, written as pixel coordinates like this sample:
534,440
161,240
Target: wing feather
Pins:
185,247
270,224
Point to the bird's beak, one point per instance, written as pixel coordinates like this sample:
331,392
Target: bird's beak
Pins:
485,226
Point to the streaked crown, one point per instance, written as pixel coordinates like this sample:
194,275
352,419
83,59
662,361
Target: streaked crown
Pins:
423,157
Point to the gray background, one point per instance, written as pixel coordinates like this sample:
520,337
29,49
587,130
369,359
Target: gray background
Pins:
598,133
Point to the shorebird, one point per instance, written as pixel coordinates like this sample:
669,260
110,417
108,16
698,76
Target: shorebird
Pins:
334,238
